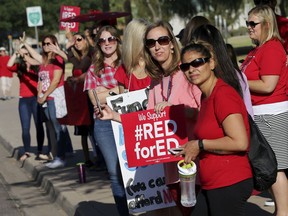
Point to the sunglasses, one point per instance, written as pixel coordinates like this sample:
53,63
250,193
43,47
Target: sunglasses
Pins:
252,24
111,39
195,63
79,39
44,44
164,40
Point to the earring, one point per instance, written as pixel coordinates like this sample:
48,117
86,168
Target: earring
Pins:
172,50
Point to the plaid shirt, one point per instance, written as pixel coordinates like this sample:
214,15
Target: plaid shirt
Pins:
106,78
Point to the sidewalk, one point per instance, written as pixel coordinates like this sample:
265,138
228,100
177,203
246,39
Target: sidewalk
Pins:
91,198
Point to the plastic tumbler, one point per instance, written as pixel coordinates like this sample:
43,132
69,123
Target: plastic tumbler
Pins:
187,175
81,172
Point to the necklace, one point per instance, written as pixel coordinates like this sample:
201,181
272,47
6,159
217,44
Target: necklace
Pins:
166,98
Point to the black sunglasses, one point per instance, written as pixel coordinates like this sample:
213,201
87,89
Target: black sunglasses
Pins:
79,39
109,39
44,44
195,63
252,24
163,40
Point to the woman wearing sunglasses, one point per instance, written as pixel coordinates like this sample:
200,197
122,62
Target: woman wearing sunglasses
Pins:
79,53
220,137
169,87
27,68
266,70
51,95
99,81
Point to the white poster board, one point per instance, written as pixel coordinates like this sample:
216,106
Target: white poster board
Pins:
145,186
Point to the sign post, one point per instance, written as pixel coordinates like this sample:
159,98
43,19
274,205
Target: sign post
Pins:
34,19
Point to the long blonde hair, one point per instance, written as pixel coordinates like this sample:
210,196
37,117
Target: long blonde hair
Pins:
268,23
133,46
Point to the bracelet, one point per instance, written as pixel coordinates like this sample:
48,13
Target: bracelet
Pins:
200,144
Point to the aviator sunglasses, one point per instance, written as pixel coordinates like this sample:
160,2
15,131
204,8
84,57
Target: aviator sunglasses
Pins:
164,40
44,44
252,24
111,39
79,39
195,63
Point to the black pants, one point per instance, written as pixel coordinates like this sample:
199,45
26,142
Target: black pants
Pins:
230,200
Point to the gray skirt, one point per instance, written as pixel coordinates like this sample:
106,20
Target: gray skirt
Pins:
275,130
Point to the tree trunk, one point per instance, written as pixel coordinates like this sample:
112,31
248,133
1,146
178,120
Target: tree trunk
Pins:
106,5
127,8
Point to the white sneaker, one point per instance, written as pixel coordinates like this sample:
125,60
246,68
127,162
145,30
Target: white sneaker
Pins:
269,203
57,163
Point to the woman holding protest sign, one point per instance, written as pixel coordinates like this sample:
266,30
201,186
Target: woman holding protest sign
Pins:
169,87
99,81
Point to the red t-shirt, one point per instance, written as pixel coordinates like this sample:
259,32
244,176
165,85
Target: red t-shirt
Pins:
4,72
268,59
46,73
221,170
28,82
283,29
135,84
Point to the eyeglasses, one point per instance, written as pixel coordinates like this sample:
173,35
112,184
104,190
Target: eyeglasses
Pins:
252,24
111,39
195,63
46,44
164,40
79,39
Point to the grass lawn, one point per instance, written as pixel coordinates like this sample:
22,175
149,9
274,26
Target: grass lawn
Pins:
240,41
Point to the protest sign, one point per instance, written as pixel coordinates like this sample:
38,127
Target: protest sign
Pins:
144,185
149,135
69,11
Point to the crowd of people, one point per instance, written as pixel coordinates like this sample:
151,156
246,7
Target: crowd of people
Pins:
202,73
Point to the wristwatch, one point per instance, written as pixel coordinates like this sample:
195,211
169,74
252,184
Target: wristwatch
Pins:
200,144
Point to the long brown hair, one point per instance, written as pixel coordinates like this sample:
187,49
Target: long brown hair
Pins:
98,58
80,54
46,59
154,69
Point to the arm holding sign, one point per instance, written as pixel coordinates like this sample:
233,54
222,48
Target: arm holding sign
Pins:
107,113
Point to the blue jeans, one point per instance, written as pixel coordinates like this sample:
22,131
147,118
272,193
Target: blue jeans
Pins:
61,132
104,137
27,107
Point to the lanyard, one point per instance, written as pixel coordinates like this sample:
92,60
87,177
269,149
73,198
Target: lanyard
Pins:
168,89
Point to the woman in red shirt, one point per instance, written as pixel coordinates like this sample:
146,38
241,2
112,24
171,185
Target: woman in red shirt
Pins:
221,134
28,105
266,71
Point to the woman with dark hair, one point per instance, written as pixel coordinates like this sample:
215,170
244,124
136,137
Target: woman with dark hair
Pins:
100,81
51,94
212,35
79,53
27,73
193,24
221,133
